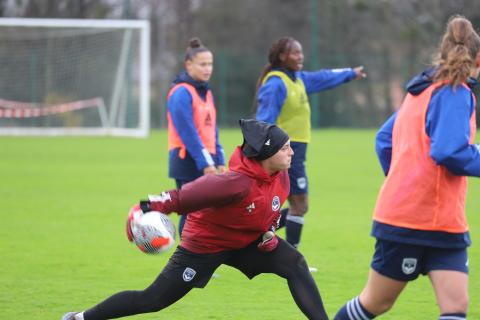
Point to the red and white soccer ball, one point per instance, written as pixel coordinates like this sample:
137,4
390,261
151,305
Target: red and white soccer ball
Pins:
152,232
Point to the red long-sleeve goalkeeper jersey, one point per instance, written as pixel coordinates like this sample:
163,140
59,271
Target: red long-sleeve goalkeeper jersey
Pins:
232,210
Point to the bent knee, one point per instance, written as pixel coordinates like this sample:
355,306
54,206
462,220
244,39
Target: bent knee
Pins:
384,307
459,304
298,205
298,209
293,266
299,264
378,307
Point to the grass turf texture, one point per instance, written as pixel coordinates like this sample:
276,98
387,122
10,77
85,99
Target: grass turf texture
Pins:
64,202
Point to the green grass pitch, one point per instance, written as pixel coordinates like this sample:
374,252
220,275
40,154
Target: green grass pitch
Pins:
64,202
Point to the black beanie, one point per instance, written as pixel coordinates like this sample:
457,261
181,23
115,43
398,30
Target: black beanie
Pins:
261,140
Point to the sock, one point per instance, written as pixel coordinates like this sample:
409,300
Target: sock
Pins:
283,218
79,316
294,227
353,310
453,316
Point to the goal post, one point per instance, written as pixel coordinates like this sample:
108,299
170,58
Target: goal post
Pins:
74,77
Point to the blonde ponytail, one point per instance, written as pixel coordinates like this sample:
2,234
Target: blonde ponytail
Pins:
458,51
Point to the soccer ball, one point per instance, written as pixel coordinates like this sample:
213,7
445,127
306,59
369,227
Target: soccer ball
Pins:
152,232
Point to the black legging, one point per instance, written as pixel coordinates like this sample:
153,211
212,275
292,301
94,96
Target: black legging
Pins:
159,295
304,290
285,261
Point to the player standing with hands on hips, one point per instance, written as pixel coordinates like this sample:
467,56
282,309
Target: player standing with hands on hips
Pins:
232,219
194,147
282,98
426,151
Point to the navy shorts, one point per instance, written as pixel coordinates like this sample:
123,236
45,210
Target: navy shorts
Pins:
405,262
297,173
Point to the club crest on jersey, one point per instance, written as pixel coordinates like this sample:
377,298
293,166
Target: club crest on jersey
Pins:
409,265
251,207
275,203
188,274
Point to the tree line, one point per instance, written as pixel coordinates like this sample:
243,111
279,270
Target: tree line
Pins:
393,40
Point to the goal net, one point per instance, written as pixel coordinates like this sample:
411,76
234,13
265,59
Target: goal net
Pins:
74,77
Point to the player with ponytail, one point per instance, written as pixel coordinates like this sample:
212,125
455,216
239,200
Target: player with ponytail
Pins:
426,151
193,144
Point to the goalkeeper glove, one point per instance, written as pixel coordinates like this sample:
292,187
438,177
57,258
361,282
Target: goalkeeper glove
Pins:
269,242
166,202
132,215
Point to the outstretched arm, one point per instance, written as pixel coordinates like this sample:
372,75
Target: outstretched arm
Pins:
325,79
205,192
